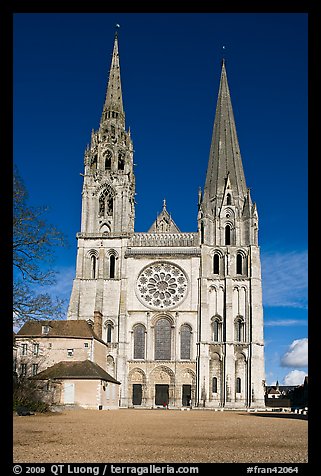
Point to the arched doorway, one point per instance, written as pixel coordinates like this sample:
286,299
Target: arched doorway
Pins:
162,386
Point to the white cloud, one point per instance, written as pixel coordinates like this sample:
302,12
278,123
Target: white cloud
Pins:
285,323
295,377
297,354
285,279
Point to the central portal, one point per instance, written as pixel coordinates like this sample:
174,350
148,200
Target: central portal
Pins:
161,394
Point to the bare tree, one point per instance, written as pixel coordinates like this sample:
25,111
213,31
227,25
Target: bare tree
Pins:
34,242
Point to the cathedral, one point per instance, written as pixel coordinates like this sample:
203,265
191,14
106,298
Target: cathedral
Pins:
180,312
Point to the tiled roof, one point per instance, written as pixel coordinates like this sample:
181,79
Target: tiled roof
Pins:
71,328
85,369
273,391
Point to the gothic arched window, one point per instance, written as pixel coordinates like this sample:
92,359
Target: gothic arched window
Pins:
108,160
228,199
106,204
109,329
163,339
121,161
186,334
93,260
217,329
214,385
239,329
238,385
239,263
139,342
112,266
216,263
227,235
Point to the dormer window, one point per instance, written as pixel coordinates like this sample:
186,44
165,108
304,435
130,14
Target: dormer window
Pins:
45,330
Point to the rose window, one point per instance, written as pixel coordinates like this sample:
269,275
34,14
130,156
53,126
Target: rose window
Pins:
161,285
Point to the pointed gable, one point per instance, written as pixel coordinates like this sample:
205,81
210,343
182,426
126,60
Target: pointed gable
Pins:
164,223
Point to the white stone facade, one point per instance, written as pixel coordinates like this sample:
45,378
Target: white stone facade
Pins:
181,312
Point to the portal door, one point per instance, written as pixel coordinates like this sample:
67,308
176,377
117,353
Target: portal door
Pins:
161,394
137,394
186,395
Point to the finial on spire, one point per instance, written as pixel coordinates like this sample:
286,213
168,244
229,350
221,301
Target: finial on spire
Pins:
223,58
164,204
117,26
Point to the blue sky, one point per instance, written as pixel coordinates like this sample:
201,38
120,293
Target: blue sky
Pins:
170,70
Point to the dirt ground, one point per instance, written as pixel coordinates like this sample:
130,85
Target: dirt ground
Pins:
160,436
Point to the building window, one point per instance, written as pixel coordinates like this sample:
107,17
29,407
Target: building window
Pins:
139,342
34,369
108,332
35,349
112,266
217,330
238,385
239,329
163,339
227,235
186,334
24,349
45,330
216,263
108,160
86,345
106,204
93,267
121,161
23,370
239,263
228,199
70,352
214,385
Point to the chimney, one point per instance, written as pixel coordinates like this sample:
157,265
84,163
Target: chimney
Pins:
98,324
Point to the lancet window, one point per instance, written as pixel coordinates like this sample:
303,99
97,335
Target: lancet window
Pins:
106,204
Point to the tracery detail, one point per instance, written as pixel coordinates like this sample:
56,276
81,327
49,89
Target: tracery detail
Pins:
162,285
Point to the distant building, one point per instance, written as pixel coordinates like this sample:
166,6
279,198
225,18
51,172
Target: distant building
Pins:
287,395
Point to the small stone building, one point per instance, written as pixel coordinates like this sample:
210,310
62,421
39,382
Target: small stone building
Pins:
79,383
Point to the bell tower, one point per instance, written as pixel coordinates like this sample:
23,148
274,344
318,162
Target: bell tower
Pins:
109,182
107,216
231,311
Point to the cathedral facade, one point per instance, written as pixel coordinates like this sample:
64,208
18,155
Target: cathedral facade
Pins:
181,313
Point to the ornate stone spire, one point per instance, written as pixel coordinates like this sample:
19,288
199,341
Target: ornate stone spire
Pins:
225,157
113,107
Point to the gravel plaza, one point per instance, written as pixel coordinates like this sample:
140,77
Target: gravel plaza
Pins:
160,436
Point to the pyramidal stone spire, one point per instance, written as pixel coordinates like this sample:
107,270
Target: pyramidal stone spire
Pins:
225,156
113,107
